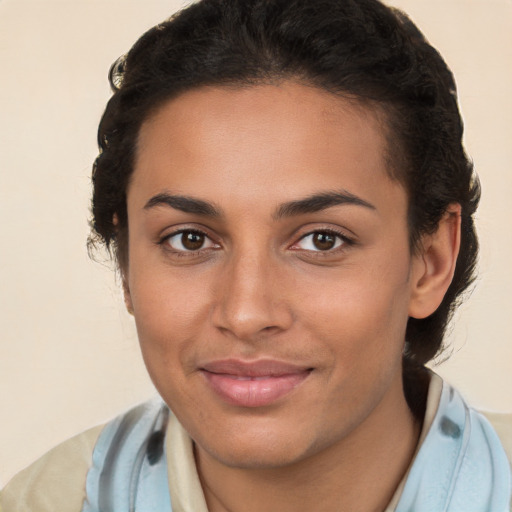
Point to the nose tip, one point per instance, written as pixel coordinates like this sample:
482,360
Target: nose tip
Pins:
250,303
248,325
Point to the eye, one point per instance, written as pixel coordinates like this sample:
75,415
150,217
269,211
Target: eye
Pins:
189,241
320,241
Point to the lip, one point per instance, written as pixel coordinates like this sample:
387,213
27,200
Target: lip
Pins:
253,383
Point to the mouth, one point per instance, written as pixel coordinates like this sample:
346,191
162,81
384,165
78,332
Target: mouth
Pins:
253,384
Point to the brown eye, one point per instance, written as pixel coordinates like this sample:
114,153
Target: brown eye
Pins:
319,241
189,241
324,241
192,241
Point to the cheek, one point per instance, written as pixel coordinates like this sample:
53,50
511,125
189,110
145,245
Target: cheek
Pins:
169,325
169,312
360,314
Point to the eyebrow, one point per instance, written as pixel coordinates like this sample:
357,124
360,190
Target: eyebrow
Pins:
184,203
311,204
319,202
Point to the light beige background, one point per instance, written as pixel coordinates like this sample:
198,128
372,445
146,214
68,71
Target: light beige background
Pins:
68,351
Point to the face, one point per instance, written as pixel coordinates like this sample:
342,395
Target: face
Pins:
269,269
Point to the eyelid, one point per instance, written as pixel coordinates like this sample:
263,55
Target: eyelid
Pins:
163,240
346,241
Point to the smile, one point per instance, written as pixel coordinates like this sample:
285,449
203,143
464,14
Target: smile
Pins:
255,384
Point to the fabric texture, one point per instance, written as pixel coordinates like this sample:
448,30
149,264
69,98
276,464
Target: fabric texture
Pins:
129,466
56,481
461,465
502,424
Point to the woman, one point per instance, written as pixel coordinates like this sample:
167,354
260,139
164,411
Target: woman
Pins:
285,191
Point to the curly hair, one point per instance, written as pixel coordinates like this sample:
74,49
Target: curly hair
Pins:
356,48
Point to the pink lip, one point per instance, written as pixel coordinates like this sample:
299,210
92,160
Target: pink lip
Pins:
253,384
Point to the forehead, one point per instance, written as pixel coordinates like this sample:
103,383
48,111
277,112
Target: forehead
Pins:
207,110
272,140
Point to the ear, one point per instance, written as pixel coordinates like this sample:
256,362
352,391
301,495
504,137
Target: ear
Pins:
433,267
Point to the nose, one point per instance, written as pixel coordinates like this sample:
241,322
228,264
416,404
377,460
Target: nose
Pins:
250,300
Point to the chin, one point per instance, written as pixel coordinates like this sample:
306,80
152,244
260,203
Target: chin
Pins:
259,448
258,456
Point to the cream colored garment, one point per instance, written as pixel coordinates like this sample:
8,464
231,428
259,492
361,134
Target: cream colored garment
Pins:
502,423
434,395
56,482
184,485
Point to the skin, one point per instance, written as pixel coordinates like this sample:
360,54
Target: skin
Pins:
258,288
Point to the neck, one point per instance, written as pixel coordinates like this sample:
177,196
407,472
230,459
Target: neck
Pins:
358,473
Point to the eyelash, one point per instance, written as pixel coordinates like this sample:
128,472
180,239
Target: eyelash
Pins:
344,240
186,253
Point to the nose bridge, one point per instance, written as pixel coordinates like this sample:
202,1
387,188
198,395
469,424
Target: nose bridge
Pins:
249,301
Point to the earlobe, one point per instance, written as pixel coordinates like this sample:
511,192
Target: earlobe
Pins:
433,268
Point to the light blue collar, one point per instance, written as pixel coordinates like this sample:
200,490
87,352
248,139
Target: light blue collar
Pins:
129,464
461,465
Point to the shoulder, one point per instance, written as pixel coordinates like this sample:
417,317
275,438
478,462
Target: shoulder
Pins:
72,473
497,425
461,456
56,481
502,424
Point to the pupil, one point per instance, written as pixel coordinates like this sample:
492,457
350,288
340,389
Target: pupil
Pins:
192,241
324,241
